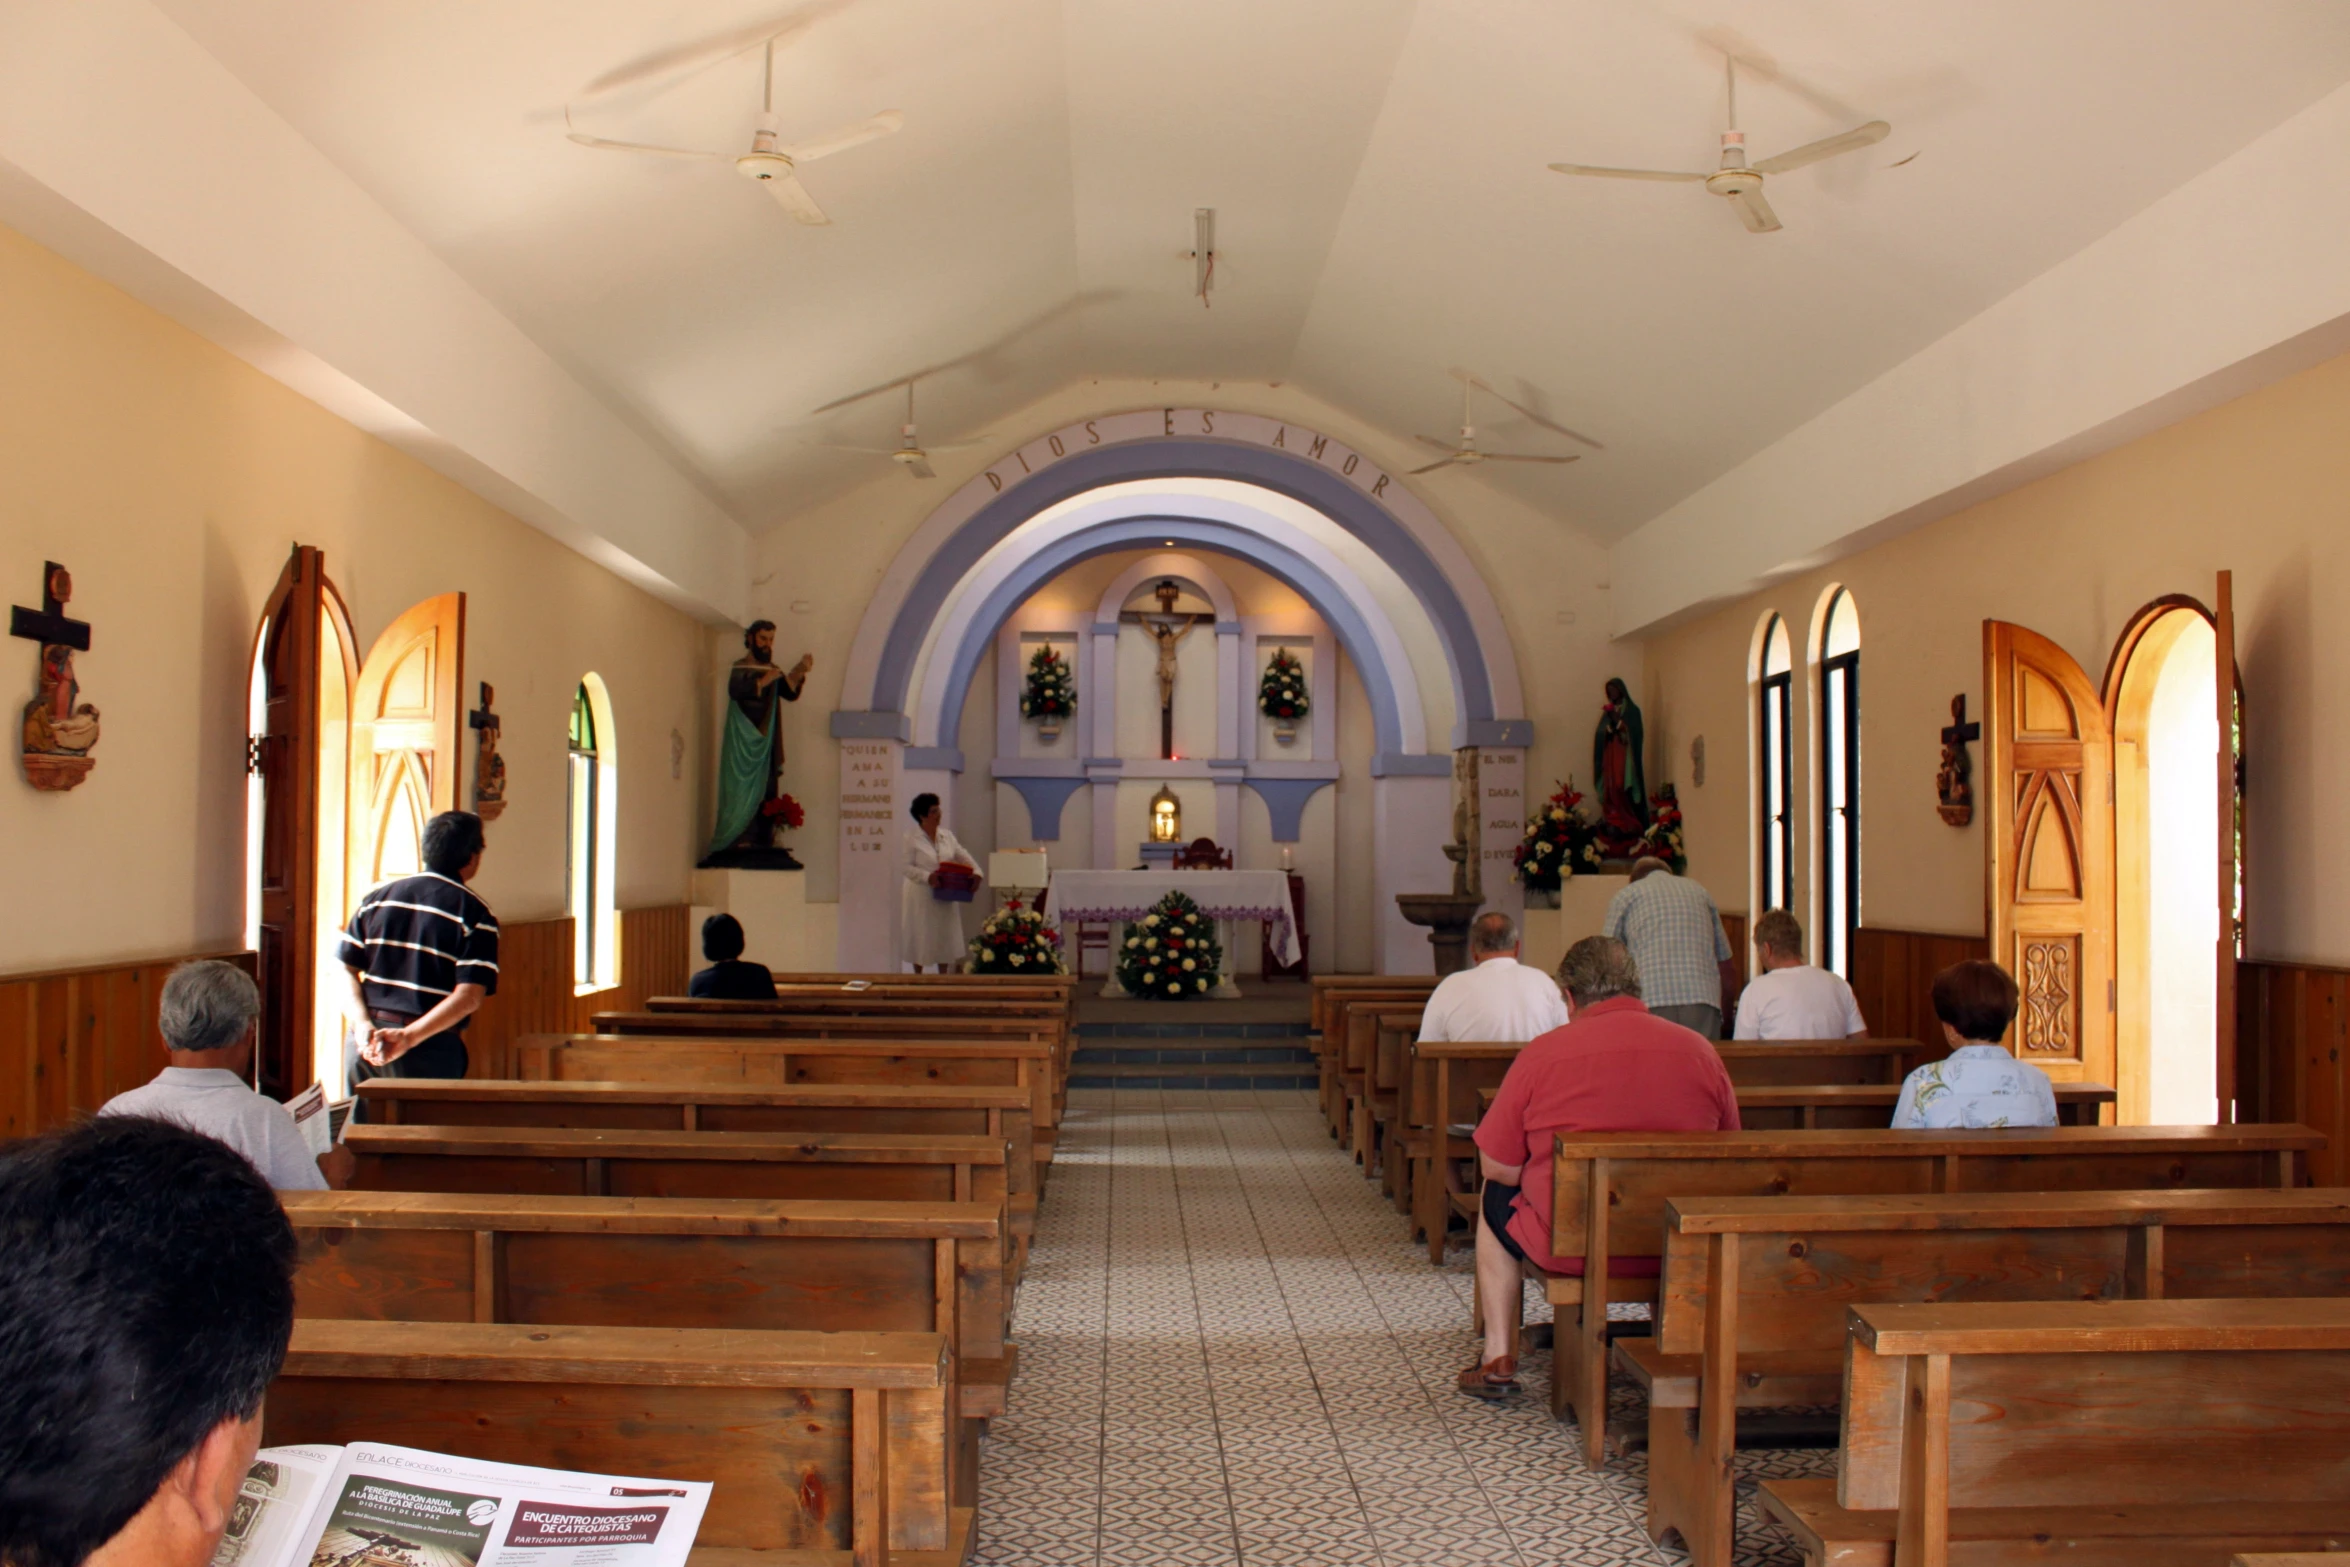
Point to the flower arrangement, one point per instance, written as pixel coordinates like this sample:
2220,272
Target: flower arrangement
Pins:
1282,693
784,812
1052,686
1016,940
1663,837
1559,841
1171,954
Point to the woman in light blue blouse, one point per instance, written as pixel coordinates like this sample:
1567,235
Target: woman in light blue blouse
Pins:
1978,1083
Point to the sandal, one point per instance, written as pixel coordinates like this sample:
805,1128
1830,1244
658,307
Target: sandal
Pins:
1494,1379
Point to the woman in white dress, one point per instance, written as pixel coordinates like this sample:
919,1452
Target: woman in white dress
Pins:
932,931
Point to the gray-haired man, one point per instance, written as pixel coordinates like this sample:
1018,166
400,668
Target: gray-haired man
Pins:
207,1020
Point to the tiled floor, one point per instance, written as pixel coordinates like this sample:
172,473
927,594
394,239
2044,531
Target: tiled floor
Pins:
1229,1354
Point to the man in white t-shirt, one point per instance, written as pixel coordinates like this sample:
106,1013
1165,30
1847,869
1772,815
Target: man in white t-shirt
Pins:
1496,997
207,1017
1791,999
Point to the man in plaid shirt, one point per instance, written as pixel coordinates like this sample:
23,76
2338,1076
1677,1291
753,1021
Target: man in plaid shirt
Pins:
1676,939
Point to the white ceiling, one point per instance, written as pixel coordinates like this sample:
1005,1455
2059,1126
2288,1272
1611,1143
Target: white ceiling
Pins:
1376,165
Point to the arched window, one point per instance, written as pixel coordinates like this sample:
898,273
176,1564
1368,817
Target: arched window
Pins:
1774,816
593,834
1839,721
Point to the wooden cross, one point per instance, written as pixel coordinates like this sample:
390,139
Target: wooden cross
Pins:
49,624
1960,731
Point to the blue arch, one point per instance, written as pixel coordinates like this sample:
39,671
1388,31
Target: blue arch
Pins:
1307,482
1224,538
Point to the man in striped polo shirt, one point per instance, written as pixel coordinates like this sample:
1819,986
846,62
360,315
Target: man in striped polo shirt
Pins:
422,953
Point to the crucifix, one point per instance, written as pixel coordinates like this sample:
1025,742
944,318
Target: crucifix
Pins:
489,768
1957,796
1167,629
59,731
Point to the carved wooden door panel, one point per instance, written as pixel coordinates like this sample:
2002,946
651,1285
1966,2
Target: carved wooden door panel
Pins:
405,723
2048,841
285,757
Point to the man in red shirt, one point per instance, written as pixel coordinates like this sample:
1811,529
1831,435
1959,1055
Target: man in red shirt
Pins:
1616,1068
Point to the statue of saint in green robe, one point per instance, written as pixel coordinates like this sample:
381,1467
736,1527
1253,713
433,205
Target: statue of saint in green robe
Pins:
750,753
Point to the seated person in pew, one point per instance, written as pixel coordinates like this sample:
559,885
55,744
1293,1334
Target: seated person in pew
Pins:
146,1304
729,978
1616,1068
208,1019
1978,1083
1792,999
1496,997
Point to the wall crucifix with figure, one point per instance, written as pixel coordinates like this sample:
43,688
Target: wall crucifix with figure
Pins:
1167,628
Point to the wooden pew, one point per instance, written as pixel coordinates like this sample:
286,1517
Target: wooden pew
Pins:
962,1010
588,1162
1339,1067
825,1447
2154,1432
665,1262
1322,989
1761,1062
1756,1289
1375,1032
1450,1084
912,1108
594,1058
1609,1189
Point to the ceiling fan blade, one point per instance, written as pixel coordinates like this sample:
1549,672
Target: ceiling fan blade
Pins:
1541,419
793,198
1442,446
602,145
842,138
1755,212
866,451
1595,172
702,52
1827,147
1524,457
959,446
1441,462
920,468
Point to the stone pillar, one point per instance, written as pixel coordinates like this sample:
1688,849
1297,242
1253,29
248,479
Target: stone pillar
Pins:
872,823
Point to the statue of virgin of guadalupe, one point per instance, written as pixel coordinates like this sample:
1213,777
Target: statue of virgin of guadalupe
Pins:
1615,762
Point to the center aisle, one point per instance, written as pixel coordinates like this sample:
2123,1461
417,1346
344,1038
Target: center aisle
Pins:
1229,1354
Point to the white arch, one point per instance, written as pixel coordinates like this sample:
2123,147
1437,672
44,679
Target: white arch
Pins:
1183,567
954,627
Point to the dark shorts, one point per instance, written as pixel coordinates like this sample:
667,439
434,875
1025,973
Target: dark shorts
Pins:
443,1055
1499,1201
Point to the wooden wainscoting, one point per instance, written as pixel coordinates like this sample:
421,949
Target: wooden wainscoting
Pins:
1893,978
2292,1035
71,1039
534,981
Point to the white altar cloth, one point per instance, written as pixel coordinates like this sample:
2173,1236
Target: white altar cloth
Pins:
1117,897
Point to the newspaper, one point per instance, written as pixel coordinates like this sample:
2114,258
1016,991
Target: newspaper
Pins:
312,1120
397,1507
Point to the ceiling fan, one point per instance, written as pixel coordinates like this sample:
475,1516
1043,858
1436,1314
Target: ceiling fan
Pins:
1737,180
909,453
771,163
1465,453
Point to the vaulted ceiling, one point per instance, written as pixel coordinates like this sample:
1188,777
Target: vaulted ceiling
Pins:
1378,172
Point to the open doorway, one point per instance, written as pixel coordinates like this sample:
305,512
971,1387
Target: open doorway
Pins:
2166,736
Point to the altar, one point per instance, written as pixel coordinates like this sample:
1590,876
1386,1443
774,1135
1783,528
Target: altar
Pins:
1117,898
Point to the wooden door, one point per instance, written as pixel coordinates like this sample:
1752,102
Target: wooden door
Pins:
2049,851
2231,782
284,755
405,721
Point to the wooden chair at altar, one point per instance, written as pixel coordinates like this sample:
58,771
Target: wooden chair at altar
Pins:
1201,854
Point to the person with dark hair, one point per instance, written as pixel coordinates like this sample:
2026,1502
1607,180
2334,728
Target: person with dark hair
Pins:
1792,999
750,752
1618,1067
207,1017
145,1306
931,927
1978,1083
421,955
729,978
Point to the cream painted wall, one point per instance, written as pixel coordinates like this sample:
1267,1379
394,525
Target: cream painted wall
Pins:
1550,580
2260,486
172,479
